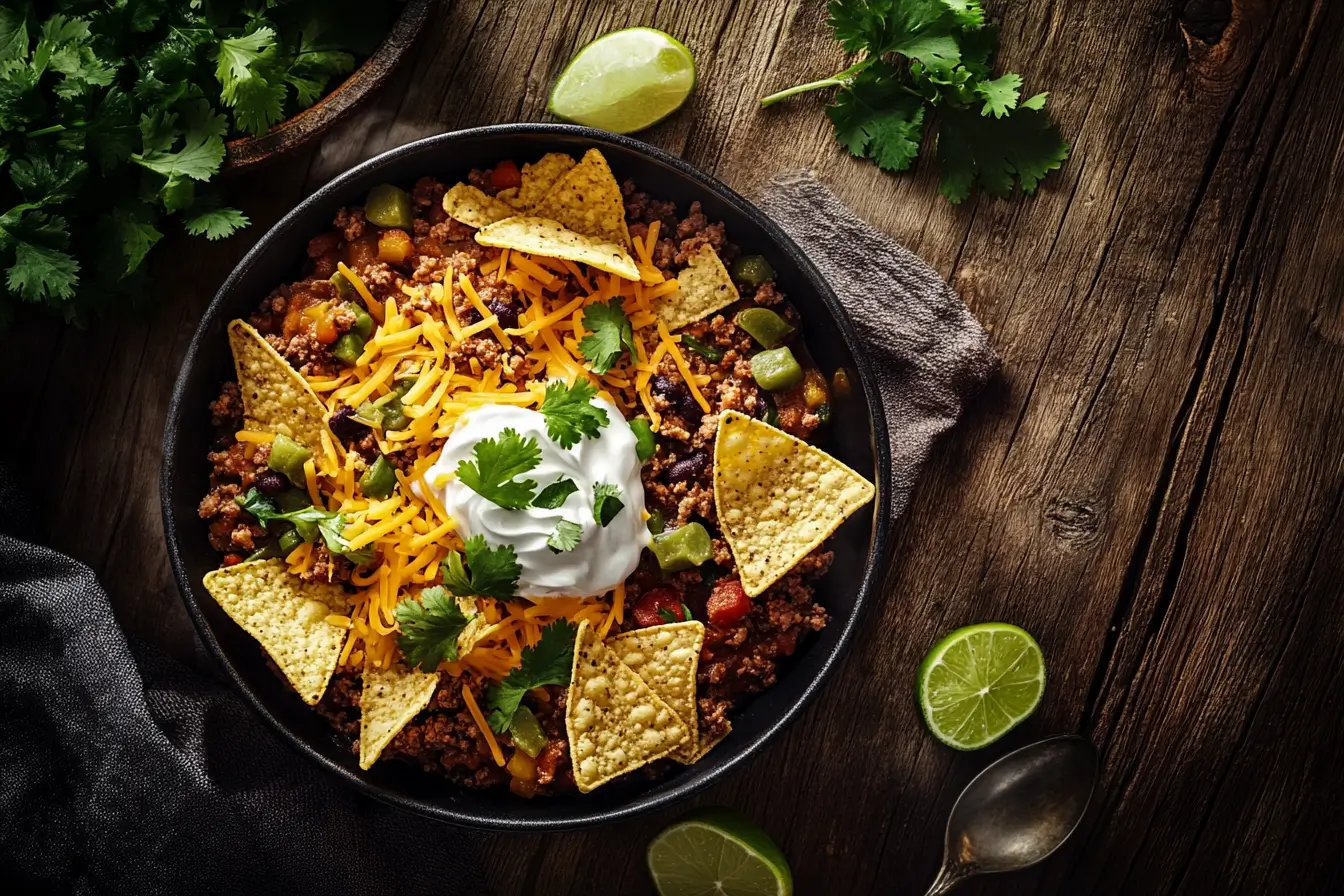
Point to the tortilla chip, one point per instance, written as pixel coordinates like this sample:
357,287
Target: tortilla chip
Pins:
706,745
540,177
275,397
287,616
542,236
703,287
471,632
778,497
615,723
474,208
588,200
391,698
666,657
509,195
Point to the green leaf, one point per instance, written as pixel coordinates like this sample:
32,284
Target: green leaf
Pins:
309,522
13,34
215,223
553,495
611,334
112,129
565,537
498,461
570,414
248,86
135,235
198,159
918,29
40,273
646,444
968,13
47,180
877,118
1025,146
606,503
1000,95
429,628
549,661
493,571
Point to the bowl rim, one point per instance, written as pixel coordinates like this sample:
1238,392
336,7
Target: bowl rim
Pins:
638,804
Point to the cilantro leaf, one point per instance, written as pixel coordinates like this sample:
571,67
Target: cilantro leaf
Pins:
42,269
198,159
248,84
134,235
877,118
498,461
1000,95
493,571
606,503
570,414
429,628
918,29
610,335
972,149
549,661
565,537
215,223
309,522
553,495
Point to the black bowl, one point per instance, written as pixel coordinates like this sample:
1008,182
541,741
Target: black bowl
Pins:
858,436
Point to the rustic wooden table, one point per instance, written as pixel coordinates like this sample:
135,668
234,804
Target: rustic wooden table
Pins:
1153,487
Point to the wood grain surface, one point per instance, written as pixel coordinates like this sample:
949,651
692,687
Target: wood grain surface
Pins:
1153,487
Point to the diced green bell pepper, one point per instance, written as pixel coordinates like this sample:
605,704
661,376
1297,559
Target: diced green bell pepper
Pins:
287,457
288,541
348,348
527,733
363,325
345,290
379,479
752,270
656,523
765,326
389,206
683,548
645,442
776,370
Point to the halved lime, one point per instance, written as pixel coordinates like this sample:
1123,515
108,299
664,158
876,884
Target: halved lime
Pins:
624,81
716,852
979,682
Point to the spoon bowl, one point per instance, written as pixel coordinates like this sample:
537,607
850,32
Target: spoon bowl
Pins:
1019,810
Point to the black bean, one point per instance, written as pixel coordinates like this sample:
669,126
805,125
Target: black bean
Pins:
688,467
507,314
689,408
345,427
667,387
272,483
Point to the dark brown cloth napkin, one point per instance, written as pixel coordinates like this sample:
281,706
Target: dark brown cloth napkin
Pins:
930,353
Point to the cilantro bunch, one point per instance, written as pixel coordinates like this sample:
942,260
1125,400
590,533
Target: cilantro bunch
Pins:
921,58
113,117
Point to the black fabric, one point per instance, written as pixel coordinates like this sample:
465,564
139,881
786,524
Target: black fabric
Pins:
121,771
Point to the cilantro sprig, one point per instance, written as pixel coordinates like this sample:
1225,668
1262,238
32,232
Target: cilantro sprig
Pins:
611,335
570,414
429,628
565,537
606,503
549,661
310,522
922,60
498,461
489,572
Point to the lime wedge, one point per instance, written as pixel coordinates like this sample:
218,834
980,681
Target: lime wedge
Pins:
979,682
624,81
715,852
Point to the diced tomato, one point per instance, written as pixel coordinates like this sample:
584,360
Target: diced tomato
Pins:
657,603
505,175
727,603
233,559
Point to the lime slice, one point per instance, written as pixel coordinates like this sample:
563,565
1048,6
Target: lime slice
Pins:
715,852
624,81
979,682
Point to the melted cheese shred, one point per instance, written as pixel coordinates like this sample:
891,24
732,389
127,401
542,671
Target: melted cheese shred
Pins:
419,333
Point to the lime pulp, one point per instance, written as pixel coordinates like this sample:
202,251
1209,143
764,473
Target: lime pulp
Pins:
979,683
625,81
716,852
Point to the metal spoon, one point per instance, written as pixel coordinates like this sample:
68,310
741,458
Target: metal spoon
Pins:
1019,810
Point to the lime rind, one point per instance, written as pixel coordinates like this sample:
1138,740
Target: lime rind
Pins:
624,81
717,852
979,683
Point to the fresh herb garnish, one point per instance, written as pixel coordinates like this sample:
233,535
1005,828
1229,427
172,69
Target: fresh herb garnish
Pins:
570,414
498,461
553,495
429,628
645,442
922,56
708,352
549,661
565,537
611,335
493,571
606,502
669,615
309,522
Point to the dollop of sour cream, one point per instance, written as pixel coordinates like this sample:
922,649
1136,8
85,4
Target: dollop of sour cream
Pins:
605,555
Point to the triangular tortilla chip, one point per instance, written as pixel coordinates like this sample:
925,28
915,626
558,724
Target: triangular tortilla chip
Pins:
778,497
287,616
276,398
666,657
706,745
473,208
588,200
542,236
471,632
703,287
615,722
391,698
539,178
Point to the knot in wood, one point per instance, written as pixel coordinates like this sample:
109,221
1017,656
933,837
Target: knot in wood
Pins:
1205,20
1074,524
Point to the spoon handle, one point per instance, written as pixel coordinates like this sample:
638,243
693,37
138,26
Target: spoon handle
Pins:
948,878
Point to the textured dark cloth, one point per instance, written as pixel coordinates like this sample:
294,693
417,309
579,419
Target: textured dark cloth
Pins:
123,772
931,355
